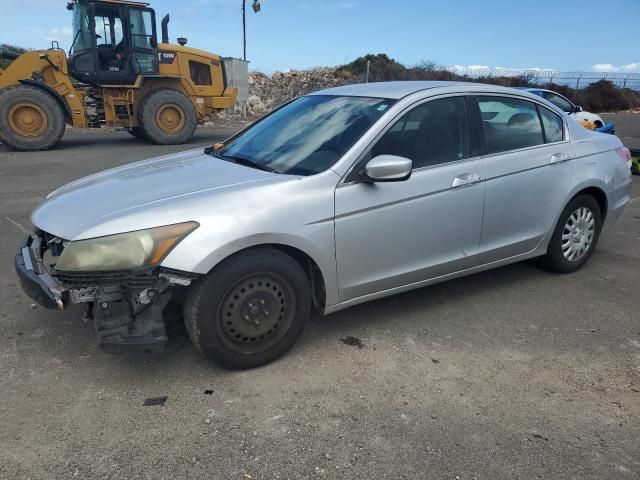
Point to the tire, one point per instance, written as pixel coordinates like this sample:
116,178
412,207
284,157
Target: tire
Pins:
250,309
167,117
137,132
558,257
30,118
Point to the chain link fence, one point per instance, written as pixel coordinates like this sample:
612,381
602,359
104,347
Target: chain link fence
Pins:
575,80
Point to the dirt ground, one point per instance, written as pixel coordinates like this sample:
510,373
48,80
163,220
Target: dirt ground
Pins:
512,373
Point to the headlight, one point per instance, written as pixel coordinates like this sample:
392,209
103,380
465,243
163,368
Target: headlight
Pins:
125,250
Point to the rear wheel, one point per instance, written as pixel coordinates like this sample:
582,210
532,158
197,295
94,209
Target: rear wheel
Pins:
575,236
250,309
30,119
167,117
137,132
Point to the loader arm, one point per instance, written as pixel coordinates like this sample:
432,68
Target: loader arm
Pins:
47,69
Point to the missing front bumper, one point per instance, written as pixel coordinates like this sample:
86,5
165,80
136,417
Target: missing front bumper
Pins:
127,307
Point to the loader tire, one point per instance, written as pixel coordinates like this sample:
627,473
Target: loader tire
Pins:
30,118
167,117
137,132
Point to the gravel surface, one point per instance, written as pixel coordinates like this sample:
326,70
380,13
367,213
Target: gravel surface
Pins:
512,373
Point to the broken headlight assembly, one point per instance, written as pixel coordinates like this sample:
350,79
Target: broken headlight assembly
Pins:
123,251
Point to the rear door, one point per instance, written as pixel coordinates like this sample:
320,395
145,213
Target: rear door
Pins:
528,166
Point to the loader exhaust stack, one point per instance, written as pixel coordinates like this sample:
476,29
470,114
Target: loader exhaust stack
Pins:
165,30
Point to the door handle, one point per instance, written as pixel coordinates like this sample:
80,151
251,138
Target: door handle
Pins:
559,158
465,179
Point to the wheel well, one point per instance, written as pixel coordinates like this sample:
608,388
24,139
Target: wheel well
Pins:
599,196
54,94
310,267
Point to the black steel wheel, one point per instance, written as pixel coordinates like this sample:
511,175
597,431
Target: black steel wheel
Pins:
250,309
256,313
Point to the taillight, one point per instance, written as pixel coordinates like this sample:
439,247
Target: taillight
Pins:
625,154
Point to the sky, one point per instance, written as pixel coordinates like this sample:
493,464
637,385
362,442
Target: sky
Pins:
565,35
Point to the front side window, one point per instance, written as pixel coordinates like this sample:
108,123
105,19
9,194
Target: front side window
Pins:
509,124
560,102
553,125
433,133
200,73
308,135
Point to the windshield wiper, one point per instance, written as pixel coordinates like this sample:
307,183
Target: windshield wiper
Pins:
246,162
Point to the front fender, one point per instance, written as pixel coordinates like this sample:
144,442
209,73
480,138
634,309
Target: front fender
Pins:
51,91
181,259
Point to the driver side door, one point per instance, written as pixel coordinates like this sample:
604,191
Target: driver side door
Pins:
389,235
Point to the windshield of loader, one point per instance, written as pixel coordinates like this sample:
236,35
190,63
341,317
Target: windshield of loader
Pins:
81,28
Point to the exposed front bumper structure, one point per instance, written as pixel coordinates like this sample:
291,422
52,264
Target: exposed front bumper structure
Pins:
36,282
127,306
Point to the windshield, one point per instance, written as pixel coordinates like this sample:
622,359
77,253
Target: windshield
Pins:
308,135
81,28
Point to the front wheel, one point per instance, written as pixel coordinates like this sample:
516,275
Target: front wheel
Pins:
575,236
250,309
30,118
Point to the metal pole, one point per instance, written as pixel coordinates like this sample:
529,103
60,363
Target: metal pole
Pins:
368,64
244,29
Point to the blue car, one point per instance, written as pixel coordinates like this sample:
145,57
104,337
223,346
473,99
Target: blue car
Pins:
586,118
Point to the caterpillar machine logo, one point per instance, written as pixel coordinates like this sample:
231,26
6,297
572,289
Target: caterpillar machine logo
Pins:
117,74
166,57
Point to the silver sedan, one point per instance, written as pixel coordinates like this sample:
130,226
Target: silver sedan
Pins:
336,198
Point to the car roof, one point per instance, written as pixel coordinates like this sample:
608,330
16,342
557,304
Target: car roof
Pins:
399,89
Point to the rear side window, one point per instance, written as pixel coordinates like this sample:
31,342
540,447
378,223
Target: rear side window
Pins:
433,133
553,126
200,73
509,124
560,102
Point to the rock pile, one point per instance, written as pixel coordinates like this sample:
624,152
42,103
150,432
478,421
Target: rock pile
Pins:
267,93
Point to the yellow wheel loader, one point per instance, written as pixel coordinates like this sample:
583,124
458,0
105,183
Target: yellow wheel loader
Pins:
116,75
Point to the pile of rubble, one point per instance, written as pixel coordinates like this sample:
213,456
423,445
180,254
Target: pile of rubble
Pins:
266,93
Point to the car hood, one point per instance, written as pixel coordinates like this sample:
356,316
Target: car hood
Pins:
82,204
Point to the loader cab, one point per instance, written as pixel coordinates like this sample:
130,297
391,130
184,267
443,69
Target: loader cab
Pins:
113,42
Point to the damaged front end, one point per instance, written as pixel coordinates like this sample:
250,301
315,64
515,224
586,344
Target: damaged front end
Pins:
128,306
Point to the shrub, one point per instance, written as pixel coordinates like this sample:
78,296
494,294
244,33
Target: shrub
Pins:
603,96
4,62
596,97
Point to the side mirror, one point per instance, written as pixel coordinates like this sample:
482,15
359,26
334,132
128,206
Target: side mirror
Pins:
387,168
578,108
